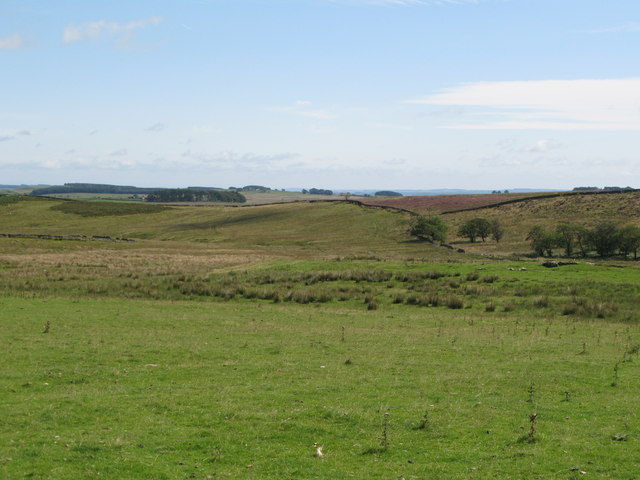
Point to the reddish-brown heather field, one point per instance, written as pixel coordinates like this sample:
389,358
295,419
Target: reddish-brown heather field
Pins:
445,203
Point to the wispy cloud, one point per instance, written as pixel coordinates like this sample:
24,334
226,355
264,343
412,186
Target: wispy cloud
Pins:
603,104
545,145
229,160
305,108
14,42
102,29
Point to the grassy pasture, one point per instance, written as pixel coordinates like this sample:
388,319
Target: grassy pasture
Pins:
159,390
224,342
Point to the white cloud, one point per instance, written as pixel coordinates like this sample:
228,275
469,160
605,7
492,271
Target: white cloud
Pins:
6,138
543,146
603,104
14,42
119,153
101,28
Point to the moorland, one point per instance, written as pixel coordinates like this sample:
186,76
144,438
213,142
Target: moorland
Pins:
155,341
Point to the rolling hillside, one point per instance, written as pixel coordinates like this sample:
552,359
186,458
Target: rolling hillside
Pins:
298,230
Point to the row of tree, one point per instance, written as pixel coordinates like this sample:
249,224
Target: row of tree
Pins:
434,229
91,188
605,239
481,228
193,195
317,191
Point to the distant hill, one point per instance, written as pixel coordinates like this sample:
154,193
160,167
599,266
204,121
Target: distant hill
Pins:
91,188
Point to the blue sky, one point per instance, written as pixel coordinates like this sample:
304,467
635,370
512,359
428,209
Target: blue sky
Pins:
343,94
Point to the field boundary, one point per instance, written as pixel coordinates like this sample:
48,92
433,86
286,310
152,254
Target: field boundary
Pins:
106,238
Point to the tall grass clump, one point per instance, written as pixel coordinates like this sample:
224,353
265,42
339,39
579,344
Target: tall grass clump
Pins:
454,302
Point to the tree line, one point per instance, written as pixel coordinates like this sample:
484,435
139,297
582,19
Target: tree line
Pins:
192,195
605,239
481,228
317,191
434,229
91,188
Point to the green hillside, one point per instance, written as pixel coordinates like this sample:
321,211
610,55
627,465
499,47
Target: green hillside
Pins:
301,229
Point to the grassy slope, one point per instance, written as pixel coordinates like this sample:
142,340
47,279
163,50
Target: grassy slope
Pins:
296,229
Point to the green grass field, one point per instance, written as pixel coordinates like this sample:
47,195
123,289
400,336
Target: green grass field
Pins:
224,342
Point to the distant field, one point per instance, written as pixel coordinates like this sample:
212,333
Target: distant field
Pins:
253,198
442,203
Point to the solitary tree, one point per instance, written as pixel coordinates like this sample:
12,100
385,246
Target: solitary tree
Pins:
429,228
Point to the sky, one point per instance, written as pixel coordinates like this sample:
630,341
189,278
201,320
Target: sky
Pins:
340,94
